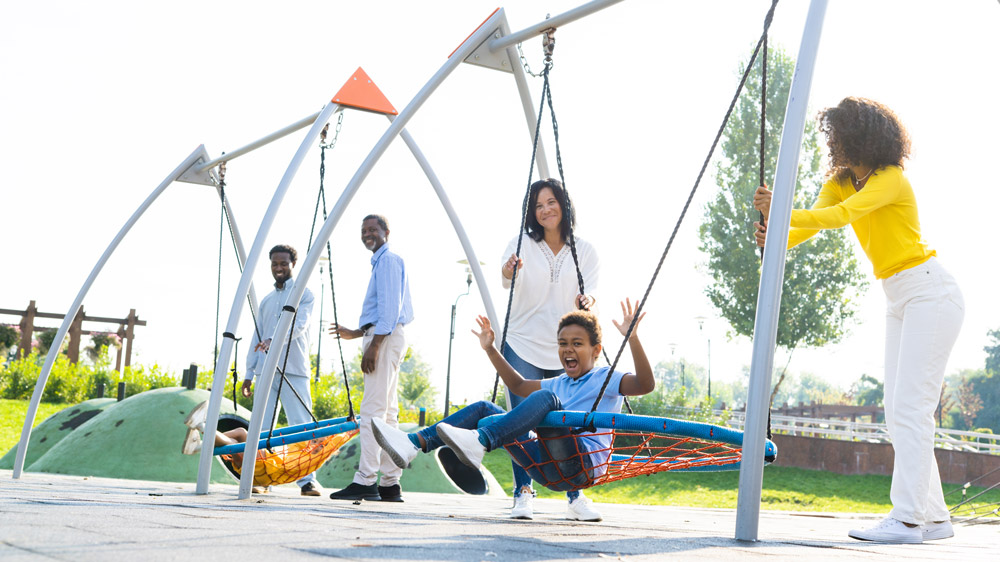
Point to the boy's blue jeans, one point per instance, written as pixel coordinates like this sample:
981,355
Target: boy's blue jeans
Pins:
571,468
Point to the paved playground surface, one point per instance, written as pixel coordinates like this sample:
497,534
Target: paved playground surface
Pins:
57,517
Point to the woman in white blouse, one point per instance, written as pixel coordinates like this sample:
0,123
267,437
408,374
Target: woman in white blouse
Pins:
546,288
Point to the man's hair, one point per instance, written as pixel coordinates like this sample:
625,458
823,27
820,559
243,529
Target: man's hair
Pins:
382,222
286,249
586,320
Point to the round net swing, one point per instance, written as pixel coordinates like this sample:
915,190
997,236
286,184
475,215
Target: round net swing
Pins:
628,444
287,463
640,445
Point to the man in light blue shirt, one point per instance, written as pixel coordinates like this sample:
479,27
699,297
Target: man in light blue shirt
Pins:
294,355
386,311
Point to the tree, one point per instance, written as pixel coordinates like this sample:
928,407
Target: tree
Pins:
867,391
992,350
969,403
822,278
415,389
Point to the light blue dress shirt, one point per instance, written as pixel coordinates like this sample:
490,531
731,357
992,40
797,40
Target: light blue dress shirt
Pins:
387,301
267,320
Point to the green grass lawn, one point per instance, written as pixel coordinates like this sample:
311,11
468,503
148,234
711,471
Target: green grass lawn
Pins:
12,414
785,489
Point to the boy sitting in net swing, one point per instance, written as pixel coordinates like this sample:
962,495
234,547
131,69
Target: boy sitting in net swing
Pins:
565,460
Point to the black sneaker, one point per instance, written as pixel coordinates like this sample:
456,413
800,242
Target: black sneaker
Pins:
356,492
391,493
311,489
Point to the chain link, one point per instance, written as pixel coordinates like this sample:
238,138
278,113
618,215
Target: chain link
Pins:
336,132
548,45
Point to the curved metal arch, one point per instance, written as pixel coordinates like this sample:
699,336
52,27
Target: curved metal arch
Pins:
196,158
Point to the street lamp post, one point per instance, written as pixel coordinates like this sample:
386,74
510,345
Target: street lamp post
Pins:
451,338
701,323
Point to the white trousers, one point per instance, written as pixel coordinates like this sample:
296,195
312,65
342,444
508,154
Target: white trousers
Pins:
295,411
923,317
380,401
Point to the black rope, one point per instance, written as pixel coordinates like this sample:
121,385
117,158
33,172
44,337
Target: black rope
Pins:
763,130
236,359
520,231
694,189
333,291
218,285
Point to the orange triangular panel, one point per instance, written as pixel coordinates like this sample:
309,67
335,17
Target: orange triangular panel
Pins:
360,92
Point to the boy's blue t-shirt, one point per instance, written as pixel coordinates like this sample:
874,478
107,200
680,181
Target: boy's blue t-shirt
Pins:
579,395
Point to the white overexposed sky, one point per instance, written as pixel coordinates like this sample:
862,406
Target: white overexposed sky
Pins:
101,100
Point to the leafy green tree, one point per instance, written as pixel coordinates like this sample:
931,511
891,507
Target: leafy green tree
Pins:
822,278
867,391
415,389
992,350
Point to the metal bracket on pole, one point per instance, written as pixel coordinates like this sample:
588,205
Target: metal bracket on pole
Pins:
195,174
483,56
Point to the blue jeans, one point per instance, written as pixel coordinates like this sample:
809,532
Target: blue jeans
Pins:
530,372
570,470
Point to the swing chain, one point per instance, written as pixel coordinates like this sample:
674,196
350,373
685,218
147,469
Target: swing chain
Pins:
548,46
336,133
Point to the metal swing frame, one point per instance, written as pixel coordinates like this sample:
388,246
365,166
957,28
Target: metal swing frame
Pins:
491,45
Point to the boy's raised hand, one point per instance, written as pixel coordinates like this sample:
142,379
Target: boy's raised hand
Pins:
628,313
485,335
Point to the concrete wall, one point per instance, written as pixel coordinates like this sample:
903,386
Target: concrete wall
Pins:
856,457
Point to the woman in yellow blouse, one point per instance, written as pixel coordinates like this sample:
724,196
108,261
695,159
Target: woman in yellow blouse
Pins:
867,190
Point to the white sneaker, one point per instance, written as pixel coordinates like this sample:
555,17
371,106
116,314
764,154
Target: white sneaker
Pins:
522,504
464,443
934,531
395,442
192,442
889,530
581,509
197,415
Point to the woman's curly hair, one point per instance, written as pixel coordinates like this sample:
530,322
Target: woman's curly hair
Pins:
865,132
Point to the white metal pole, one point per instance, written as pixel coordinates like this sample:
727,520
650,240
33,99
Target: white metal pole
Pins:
528,106
229,156
225,350
241,252
43,376
312,257
527,33
771,278
456,223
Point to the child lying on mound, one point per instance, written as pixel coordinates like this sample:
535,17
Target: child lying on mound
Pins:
280,464
565,460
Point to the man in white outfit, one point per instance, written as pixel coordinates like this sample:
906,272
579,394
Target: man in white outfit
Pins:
294,355
386,311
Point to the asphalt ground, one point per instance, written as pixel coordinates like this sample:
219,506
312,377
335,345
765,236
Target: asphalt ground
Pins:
59,517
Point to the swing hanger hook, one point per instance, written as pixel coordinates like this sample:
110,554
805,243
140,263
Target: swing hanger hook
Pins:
336,132
548,45
322,134
222,171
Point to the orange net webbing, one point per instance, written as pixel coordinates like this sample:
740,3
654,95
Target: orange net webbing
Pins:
288,463
558,463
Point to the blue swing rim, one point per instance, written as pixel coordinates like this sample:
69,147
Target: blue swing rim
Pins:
655,425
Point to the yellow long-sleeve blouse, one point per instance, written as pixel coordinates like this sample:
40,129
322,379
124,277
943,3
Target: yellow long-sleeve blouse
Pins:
883,215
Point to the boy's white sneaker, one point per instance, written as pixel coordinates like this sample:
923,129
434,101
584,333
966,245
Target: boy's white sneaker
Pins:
464,443
395,442
192,442
197,415
581,509
889,530
523,508
935,531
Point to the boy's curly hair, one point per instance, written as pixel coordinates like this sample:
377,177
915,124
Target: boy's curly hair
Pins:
586,320
865,132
